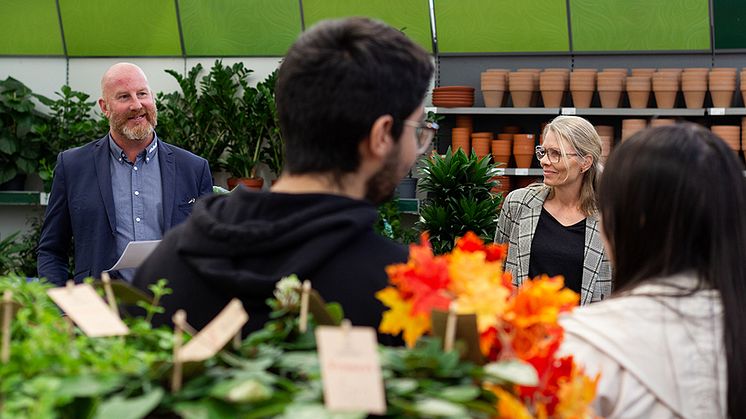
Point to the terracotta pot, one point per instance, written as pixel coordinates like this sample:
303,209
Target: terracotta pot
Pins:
464,121
251,183
610,98
694,99
521,98
638,100
511,129
502,147
505,136
638,91
523,161
481,146
631,126
582,98
665,99
722,98
552,99
605,130
642,72
493,98
659,122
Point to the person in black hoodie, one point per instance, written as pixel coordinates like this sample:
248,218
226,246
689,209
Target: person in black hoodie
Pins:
349,99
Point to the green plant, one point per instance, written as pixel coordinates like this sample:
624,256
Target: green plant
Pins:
72,123
20,146
389,223
459,198
267,125
200,117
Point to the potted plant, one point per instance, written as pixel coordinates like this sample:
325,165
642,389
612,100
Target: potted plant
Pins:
459,198
20,146
71,124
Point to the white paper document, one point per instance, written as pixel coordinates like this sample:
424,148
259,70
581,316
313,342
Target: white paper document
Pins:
135,254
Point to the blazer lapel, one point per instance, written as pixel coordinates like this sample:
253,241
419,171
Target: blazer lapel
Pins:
527,227
103,176
591,259
168,181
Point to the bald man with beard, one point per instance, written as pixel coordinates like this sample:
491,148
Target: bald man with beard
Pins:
126,186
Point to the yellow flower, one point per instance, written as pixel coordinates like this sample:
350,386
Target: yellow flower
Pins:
471,269
486,300
399,317
508,406
575,395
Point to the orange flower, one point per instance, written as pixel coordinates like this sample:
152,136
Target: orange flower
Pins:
423,280
399,317
508,406
540,301
575,394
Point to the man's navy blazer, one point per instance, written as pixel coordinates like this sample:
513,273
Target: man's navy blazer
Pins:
81,205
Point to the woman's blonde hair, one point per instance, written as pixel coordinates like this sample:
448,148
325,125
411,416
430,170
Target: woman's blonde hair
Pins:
584,140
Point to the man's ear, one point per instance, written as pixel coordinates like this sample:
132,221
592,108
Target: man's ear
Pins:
380,140
102,105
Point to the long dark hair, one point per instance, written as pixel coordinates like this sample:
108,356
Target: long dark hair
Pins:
673,199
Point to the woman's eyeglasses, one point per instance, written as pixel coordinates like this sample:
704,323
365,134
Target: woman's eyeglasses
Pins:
424,132
554,154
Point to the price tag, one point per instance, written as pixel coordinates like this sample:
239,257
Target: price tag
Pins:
43,198
216,334
717,111
88,310
568,111
350,369
521,172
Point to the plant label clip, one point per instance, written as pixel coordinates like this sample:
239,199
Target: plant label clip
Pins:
109,293
450,334
306,290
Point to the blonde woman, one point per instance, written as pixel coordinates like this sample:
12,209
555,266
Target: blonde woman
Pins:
553,228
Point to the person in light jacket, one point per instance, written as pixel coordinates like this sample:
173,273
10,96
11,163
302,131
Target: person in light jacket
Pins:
670,342
552,228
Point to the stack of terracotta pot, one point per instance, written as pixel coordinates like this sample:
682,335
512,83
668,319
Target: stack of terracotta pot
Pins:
694,86
731,134
503,185
553,83
582,86
642,71
481,143
453,96
666,87
502,148
524,149
743,85
522,85
743,133
722,86
638,91
610,86
606,133
494,83
462,133
631,126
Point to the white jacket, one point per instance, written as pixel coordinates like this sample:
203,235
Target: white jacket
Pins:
659,356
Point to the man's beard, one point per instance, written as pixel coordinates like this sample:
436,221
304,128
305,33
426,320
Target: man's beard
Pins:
380,187
140,131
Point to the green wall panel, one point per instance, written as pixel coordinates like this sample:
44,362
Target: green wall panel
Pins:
413,16
640,25
475,26
112,28
30,27
239,27
730,18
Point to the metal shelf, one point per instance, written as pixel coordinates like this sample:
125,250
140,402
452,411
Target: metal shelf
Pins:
726,111
519,172
496,111
633,112
23,198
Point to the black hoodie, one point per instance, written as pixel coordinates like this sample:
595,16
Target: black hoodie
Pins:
241,244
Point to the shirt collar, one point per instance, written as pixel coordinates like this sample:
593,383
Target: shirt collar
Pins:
119,155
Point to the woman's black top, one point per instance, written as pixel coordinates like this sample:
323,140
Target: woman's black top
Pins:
558,250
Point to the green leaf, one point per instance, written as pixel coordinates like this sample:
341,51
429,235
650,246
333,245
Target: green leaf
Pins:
242,391
460,394
205,409
7,145
513,371
89,385
436,408
132,408
401,386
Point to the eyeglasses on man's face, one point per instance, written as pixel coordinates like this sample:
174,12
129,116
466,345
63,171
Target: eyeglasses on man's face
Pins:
555,155
424,132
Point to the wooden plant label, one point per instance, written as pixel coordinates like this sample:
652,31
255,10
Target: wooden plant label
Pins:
350,369
88,310
303,320
211,340
465,331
